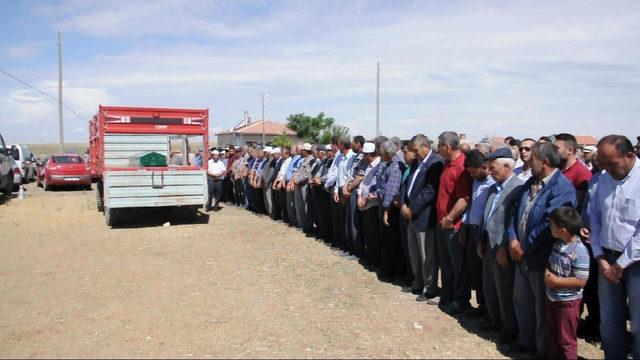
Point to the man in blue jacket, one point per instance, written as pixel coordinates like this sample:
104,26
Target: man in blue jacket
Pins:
532,242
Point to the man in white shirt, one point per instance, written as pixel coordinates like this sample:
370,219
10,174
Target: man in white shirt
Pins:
615,240
215,172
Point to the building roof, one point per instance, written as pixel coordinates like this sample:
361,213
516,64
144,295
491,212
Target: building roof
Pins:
255,128
586,140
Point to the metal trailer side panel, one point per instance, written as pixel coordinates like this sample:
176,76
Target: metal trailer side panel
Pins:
145,188
118,148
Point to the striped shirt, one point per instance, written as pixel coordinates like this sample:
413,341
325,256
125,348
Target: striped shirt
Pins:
568,260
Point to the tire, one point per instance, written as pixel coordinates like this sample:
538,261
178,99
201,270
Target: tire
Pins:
99,197
46,186
110,216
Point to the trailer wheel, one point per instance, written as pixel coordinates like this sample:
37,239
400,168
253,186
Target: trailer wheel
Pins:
110,216
99,195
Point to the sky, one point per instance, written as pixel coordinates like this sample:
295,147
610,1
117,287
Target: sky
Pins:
483,68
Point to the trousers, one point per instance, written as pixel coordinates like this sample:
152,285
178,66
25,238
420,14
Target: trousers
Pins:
451,254
423,256
215,191
616,300
562,327
498,292
529,296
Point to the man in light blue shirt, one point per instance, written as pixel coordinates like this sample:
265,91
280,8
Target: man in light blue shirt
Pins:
479,171
290,198
339,222
615,240
329,183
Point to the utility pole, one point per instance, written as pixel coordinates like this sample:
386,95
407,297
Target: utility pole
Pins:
378,101
264,97
60,120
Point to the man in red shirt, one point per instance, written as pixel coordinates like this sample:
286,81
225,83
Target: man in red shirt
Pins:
571,167
454,192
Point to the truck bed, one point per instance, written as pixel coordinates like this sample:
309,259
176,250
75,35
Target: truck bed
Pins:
150,188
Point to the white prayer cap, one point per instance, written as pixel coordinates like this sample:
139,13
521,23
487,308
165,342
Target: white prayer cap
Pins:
215,152
276,150
369,148
306,146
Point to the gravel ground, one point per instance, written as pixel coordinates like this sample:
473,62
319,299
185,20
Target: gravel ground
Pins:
231,285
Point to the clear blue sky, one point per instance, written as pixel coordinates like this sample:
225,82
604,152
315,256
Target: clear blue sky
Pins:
522,68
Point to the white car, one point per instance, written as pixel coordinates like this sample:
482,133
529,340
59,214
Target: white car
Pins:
25,161
17,176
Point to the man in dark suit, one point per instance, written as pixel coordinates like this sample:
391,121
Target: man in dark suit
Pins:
497,269
418,208
531,242
323,198
273,194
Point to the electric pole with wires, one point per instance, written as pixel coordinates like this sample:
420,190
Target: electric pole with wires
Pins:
60,120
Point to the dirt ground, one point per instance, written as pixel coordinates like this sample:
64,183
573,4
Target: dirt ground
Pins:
231,285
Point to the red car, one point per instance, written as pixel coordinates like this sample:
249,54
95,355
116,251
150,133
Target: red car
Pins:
64,169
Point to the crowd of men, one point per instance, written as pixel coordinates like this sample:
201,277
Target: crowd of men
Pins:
542,230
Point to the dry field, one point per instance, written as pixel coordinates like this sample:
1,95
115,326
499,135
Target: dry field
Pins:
231,285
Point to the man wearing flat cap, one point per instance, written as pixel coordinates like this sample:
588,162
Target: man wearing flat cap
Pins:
497,268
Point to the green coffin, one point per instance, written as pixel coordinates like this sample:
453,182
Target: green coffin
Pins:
149,158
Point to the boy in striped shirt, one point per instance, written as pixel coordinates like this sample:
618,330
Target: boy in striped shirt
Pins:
566,274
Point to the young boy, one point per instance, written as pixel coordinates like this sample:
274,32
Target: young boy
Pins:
565,276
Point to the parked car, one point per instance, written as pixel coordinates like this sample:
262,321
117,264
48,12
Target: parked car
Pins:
17,175
64,169
6,168
25,160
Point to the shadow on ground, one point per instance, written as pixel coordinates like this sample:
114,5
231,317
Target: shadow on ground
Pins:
134,218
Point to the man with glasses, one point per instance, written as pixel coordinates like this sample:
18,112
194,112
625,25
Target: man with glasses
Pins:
524,171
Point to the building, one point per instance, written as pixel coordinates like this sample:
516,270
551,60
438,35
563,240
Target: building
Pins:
250,132
584,140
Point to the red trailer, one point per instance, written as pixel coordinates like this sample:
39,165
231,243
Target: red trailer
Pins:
119,136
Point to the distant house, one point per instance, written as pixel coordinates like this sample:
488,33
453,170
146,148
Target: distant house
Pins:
250,132
584,140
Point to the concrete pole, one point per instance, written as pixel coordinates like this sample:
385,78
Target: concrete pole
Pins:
263,120
378,101
60,119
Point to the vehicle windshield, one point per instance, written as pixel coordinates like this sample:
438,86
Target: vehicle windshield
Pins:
67,159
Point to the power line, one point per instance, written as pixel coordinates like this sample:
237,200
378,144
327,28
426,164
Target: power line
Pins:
40,92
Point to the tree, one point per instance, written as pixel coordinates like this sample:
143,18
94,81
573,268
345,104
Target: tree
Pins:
282,140
334,130
310,128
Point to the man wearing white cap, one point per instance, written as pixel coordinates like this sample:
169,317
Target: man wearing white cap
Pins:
215,171
587,156
276,164
367,202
